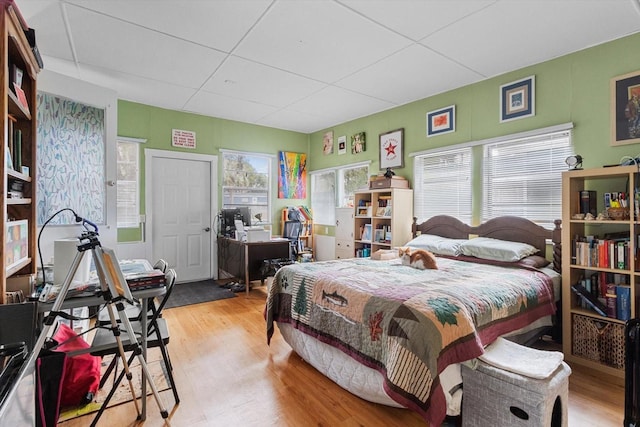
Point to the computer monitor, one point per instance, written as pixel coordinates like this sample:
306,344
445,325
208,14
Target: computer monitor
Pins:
228,216
244,214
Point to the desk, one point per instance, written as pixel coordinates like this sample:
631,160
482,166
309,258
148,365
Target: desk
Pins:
244,259
144,295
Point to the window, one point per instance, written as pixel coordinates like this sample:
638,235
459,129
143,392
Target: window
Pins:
517,175
523,177
351,179
346,179
128,183
246,181
443,184
323,197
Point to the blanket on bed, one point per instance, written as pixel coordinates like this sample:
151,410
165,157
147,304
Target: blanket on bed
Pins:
406,323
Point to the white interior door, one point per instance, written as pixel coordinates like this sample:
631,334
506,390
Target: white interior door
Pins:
180,212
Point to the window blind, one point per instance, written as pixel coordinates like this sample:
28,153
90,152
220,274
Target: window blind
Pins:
443,184
323,197
523,177
128,183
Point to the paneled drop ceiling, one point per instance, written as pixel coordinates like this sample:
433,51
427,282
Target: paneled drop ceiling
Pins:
307,65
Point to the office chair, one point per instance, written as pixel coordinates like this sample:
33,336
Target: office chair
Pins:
104,343
291,232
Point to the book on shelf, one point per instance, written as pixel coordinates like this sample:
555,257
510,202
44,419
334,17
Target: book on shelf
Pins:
623,302
589,300
30,34
17,149
588,202
611,302
22,97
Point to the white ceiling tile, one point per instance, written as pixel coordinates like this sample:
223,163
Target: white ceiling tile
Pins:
219,24
295,121
61,66
318,39
51,35
502,37
416,19
340,104
210,104
139,52
411,74
239,78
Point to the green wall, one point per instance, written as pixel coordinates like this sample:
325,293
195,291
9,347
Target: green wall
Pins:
573,88
155,125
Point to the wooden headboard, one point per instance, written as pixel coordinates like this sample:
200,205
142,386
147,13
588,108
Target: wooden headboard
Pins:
511,228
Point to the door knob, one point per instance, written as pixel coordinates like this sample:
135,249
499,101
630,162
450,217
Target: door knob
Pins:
207,229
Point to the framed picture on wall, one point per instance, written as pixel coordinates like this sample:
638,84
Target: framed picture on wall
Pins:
342,144
517,99
358,143
625,109
391,154
441,121
327,143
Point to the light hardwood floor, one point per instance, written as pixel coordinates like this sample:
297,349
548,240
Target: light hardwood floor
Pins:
227,376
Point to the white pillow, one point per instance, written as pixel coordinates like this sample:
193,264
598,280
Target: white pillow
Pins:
437,244
497,250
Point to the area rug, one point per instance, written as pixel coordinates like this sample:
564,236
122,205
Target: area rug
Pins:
197,292
123,393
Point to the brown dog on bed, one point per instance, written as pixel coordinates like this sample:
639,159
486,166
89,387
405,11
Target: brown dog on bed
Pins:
418,258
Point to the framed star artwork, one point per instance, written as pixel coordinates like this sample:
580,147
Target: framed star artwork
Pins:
391,154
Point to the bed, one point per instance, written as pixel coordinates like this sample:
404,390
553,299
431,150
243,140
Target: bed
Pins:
396,335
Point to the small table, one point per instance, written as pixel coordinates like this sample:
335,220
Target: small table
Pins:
244,260
144,295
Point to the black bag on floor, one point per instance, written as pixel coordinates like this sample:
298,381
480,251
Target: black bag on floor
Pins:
632,373
49,373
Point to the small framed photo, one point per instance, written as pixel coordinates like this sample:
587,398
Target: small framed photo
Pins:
15,75
17,242
441,121
327,143
517,99
342,144
366,233
379,235
391,154
358,143
625,109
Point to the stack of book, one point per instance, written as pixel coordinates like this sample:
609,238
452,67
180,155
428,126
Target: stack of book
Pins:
145,279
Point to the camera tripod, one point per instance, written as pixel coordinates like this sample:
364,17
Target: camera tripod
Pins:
115,291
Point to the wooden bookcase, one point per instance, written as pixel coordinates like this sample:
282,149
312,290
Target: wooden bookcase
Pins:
591,339
389,210
19,117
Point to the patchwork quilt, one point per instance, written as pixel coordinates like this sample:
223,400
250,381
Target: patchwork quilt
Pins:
408,324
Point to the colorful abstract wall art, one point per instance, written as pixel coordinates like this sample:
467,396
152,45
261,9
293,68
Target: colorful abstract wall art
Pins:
292,175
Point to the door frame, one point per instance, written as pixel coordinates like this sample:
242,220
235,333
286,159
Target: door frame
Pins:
150,155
